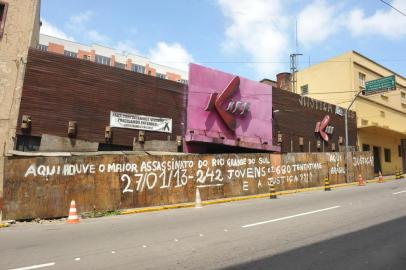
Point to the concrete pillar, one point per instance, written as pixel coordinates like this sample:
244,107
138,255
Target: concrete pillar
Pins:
21,31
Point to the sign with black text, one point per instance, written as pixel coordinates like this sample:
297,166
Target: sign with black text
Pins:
143,122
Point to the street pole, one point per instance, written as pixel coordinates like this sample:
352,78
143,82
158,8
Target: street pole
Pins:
346,135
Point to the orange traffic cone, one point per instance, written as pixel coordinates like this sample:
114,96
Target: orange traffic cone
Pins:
73,216
380,179
361,181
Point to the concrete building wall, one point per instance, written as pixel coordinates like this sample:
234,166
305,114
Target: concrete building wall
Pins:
20,32
337,80
382,139
328,81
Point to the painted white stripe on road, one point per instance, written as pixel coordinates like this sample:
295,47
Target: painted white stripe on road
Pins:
35,266
289,217
403,191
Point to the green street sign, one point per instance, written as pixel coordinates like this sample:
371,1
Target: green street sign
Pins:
386,83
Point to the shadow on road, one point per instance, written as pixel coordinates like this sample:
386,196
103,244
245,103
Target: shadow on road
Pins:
380,247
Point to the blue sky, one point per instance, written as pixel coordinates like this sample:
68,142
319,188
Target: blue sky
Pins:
251,38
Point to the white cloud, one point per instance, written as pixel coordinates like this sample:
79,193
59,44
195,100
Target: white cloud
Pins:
77,23
96,37
173,55
126,46
258,27
51,30
388,22
316,22
81,18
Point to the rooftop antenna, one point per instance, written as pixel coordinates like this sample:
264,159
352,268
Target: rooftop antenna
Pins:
293,62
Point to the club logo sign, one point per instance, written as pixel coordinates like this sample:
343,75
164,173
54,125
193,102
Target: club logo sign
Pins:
217,101
324,129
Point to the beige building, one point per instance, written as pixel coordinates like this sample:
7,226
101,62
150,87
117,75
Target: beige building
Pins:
381,114
19,29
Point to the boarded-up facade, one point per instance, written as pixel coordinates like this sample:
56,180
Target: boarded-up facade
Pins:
59,89
295,118
43,186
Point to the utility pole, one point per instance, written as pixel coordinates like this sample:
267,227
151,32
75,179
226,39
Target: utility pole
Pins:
346,135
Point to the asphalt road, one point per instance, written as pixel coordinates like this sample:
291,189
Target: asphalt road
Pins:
347,228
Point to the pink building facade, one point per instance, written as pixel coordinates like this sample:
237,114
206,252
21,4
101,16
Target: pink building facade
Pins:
227,111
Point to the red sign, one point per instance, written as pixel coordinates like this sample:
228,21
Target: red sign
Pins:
216,102
324,128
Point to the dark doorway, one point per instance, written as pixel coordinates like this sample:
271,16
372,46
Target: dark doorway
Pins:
377,159
403,153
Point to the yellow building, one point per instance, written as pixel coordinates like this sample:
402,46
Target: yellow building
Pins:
381,114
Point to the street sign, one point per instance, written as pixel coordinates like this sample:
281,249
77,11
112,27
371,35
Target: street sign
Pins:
386,83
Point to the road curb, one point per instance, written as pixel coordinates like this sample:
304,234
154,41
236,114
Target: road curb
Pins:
243,198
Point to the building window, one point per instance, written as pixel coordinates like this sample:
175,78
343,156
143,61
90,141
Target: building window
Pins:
3,14
382,113
304,89
28,143
70,54
160,75
402,96
102,60
366,147
387,155
119,65
43,48
138,68
361,80
399,151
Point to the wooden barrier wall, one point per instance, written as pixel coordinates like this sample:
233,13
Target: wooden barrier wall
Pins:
44,186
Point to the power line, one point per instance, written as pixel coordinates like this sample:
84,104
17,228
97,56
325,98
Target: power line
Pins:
393,7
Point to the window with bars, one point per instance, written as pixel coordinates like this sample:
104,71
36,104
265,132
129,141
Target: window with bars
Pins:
137,68
304,89
42,47
361,80
366,147
70,54
160,75
102,60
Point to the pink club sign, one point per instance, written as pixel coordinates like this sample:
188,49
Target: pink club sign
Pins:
229,110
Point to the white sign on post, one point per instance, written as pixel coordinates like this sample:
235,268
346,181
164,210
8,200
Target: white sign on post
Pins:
143,122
